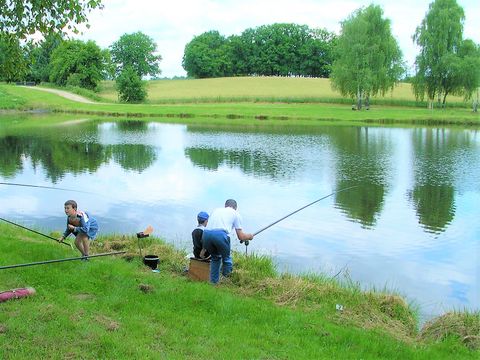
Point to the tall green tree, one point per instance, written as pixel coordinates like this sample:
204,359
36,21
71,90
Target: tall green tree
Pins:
469,69
19,18
318,54
441,66
368,58
13,62
240,55
77,63
40,55
208,56
23,17
277,49
286,49
137,51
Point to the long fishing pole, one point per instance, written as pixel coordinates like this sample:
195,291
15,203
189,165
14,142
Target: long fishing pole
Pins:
36,232
60,260
47,187
294,212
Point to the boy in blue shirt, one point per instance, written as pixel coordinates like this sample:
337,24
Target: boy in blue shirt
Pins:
80,224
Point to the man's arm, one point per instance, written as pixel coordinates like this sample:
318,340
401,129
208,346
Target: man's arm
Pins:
243,236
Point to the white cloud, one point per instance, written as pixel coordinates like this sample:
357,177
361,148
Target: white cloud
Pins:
172,24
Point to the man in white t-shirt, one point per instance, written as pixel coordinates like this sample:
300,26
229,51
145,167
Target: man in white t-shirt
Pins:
216,239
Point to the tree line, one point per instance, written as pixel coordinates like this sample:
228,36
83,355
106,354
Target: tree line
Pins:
268,50
68,62
362,61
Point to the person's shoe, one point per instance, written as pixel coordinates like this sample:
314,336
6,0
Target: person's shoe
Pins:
85,258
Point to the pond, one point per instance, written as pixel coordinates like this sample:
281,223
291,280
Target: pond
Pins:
410,225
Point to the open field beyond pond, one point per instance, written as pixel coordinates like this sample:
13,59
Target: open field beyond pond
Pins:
254,101
255,89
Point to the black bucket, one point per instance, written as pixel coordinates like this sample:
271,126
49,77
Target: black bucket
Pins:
151,261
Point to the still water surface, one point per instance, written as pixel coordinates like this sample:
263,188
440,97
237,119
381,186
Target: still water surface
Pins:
411,224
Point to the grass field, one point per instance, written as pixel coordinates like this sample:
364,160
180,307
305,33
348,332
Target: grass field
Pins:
116,308
256,89
241,113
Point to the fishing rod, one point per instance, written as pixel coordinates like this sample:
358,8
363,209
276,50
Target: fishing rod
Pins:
46,187
294,212
36,232
60,260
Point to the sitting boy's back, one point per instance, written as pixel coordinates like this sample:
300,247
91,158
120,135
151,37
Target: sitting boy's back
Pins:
198,251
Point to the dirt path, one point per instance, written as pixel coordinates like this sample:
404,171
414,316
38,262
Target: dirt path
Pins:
65,94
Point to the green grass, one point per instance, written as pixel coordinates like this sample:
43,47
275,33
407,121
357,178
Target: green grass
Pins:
243,113
258,89
115,308
7,101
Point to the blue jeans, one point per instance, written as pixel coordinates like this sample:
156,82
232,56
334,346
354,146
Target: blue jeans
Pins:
217,243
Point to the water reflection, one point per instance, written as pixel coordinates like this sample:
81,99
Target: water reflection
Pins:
250,162
269,155
135,157
439,153
434,205
363,160
10,161
59,152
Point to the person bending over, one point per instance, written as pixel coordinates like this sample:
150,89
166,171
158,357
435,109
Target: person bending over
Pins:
80,224
216,238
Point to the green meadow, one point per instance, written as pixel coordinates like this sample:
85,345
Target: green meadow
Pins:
247,102
288,89
116,308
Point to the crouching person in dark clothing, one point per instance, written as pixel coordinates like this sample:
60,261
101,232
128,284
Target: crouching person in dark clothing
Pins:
198,250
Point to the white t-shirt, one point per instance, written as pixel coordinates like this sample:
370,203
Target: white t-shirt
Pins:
225,218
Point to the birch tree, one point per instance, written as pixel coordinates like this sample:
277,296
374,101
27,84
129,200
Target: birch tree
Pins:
368,58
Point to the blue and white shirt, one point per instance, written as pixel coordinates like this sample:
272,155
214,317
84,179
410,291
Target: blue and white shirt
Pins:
88,225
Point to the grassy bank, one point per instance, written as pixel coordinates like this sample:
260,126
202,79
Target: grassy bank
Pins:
117,308
244,113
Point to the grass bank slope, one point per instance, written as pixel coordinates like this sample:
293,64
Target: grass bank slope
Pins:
237,113
115,308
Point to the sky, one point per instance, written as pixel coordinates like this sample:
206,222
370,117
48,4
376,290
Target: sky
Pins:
172,24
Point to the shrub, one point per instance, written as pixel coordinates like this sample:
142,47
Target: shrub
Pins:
130,87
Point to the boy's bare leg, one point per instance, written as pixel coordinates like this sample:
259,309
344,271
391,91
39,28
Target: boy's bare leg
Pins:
80,241
78,244
86,245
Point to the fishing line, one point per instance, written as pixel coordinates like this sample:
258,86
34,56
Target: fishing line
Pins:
36,232
294,212
60,260
341,270
47,187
